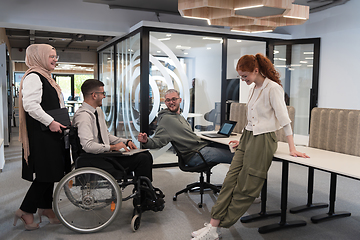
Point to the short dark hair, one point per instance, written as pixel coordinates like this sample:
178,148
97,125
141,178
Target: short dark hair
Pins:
90,86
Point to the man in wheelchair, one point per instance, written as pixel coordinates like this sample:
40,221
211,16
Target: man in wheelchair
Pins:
96,142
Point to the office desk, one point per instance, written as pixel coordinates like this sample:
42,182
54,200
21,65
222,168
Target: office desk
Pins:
332,162
225,140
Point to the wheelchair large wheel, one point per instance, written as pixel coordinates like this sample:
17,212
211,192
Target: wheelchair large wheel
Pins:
87,200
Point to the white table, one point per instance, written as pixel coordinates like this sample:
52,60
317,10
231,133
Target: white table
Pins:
225,141
332,162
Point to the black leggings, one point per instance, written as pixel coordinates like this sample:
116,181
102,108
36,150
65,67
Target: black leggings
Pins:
39,195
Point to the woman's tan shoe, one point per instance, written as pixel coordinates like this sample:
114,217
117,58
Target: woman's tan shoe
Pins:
53,220
28,226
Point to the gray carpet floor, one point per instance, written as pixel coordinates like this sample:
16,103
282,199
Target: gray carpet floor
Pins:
181,217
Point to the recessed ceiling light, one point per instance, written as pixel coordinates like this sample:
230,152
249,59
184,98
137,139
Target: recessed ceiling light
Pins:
254,6
182,47
212,38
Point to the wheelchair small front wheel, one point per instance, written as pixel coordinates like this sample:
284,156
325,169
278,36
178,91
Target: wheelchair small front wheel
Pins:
135,222
87,200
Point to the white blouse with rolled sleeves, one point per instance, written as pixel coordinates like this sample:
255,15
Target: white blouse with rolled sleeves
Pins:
32,93
267,110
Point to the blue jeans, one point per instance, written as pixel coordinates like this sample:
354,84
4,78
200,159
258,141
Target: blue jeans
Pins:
212,154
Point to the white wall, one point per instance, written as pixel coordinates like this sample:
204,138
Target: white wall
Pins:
339,30
208,79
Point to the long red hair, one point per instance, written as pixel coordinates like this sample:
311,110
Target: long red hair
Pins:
248,63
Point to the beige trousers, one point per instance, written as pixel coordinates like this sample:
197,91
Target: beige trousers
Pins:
245,178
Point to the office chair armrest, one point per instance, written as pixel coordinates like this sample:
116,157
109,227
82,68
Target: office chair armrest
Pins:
180,154
201,156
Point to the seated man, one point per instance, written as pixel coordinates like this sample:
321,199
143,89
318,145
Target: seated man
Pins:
95,137
173,127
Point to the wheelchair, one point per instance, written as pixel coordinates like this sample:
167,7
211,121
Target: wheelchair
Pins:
88,199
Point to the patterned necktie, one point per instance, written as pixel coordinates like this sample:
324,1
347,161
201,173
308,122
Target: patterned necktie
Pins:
98,126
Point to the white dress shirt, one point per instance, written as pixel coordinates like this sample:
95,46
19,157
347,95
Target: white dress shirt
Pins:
32,94
267,110
85,120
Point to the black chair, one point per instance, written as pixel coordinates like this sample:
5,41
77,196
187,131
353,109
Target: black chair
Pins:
202,168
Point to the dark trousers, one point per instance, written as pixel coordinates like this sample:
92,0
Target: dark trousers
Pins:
140,164
39,195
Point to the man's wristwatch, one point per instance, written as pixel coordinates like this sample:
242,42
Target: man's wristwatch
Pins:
127,142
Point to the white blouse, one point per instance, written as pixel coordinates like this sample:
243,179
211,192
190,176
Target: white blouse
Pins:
267,111
32,90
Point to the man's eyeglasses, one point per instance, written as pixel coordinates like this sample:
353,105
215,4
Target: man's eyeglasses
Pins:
103,93
171,99
55,57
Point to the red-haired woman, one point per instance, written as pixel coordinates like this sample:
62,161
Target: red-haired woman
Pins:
266,113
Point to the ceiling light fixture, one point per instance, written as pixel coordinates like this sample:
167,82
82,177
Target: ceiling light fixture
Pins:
254,6
246,16
200,18
164,39
182,47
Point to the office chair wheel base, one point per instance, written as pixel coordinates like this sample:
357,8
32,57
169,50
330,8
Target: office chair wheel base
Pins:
200,205
174,198
135,222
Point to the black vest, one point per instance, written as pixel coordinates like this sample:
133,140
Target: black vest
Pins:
48,158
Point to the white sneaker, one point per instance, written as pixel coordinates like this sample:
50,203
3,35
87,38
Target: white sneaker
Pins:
207,233
198,232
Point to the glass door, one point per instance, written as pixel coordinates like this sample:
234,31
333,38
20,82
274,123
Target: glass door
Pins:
297,64
65,83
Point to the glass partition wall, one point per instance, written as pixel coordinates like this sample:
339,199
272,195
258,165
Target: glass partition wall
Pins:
138,69
106,75
128,88
297,61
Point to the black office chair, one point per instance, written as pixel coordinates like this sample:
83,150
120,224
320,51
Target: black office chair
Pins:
202,168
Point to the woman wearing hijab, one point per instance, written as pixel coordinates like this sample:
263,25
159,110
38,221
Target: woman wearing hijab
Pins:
44,153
